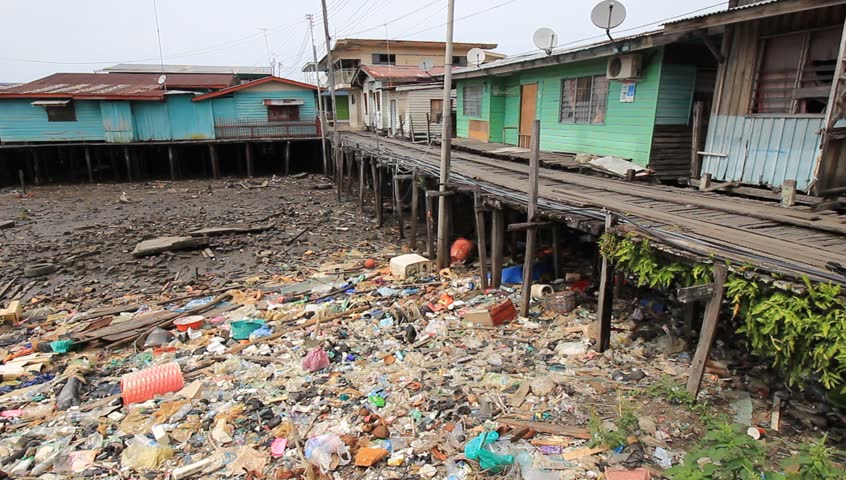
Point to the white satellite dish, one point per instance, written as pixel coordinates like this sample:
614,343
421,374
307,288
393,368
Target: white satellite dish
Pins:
546,39
476,56
162,79
426,65
608,14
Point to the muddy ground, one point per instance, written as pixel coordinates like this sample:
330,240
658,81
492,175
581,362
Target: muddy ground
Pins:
90,233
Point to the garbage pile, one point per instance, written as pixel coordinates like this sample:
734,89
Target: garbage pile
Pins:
370,368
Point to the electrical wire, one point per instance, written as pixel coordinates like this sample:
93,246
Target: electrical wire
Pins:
394,20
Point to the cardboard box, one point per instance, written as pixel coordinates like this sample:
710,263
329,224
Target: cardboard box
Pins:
410,265
493,316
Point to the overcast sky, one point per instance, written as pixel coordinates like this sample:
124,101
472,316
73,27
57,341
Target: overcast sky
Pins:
40,37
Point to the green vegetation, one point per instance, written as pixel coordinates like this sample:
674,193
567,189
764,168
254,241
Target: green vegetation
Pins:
676,394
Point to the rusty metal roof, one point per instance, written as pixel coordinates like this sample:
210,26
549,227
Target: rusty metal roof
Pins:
91,86
210,81
401,73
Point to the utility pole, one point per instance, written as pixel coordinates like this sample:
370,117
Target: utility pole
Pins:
320,110
336,146
446,143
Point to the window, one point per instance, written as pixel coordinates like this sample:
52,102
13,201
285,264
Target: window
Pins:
472,98
384,59
283,113
436,110
796,72
583,100
459,61
64,113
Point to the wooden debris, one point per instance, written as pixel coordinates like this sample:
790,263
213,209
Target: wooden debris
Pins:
231,229
158,245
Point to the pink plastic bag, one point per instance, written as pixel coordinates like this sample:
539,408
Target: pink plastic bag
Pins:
315,360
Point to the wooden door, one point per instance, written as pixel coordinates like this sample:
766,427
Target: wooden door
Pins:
528,112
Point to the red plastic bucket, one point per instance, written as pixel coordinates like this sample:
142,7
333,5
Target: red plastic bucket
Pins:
145,384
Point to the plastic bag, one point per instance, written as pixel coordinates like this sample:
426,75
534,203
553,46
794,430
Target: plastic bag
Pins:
315,360
144,453
320,449
488,460
157,338
69,396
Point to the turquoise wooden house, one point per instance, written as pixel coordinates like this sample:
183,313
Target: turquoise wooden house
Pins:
632,99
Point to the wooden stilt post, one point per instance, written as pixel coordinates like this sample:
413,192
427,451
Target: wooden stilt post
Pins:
428,131
606,296
556,250
688,312
373,179
709,327
414,205
88,165
481,233
248,153
497,245
696,139
36,166
215,162
350,170
361,182
339,172
430,226
172,162
23,181
377,193
127,158
531,233
398,207
287,158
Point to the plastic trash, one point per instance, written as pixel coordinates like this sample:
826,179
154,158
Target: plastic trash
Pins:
488,460
319,451
241,329
157,338
69,396
663,457
315,360
143,385
144,453
460,250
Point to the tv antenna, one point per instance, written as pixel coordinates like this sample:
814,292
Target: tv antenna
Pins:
476,55
546,39
608,14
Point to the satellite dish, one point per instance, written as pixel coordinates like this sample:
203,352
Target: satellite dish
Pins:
162,79
426,64
476,56
545,39
608,14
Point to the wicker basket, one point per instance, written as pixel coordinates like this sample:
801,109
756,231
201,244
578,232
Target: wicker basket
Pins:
560,302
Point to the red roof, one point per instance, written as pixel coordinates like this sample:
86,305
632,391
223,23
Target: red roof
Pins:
91,86
255,83
401,73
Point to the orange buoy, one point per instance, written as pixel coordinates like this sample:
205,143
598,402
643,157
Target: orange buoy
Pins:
460,251
370,263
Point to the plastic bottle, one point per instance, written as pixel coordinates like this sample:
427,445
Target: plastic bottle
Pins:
180,414
453,471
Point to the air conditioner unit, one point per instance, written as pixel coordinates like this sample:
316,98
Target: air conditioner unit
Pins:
623,67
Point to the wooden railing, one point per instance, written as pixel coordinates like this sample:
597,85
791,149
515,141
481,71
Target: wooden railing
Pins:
264,129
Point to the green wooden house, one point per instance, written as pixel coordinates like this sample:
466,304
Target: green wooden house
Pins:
633,99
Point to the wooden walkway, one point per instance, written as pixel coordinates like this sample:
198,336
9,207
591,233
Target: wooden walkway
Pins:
788,241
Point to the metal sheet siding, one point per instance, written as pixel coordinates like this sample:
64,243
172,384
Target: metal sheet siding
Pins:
151,121
189,120
763,151
628,127
117,121
223,109
250,105
22,122
675,94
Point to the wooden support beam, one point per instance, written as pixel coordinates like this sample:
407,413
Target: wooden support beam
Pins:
705,181
89,166
531,233
556,250
430,226
214,160
715,51
481,233
630,175
788,193
36,166
350,163
377,187
428,129
339,172
361,182
519,227
436,193
706,333
172,162
497,246
414,214
398,207
127,158
695,159
287,158
606,297
248,153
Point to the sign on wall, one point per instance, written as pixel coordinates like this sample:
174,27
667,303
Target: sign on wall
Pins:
627,92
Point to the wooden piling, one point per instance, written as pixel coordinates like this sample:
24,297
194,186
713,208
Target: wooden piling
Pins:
531,233
89,167
556,250
481,233
606,296
497,246
361,182
287,158
414,205
172,162
36,165
127,158
430,227
248,153
350,169
709,327
215,162
398,207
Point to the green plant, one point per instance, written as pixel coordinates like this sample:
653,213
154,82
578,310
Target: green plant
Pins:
726,452
676,394
640,259
600,435
814,462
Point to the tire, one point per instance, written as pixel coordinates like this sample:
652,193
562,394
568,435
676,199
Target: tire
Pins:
40,270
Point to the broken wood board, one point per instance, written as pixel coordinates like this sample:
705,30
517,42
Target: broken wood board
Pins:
618,166
231,229
155,246
548,428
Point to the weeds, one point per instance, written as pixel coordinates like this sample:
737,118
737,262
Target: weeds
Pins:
676,394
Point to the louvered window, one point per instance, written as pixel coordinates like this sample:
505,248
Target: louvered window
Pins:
472,98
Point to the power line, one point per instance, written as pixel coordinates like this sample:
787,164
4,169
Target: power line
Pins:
458,19
395,19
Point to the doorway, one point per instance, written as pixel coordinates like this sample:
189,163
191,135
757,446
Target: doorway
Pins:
528,112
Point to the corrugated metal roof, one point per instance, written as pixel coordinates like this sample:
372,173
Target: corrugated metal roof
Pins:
211,81
398,73
722,12
190,69
254,83
89,86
